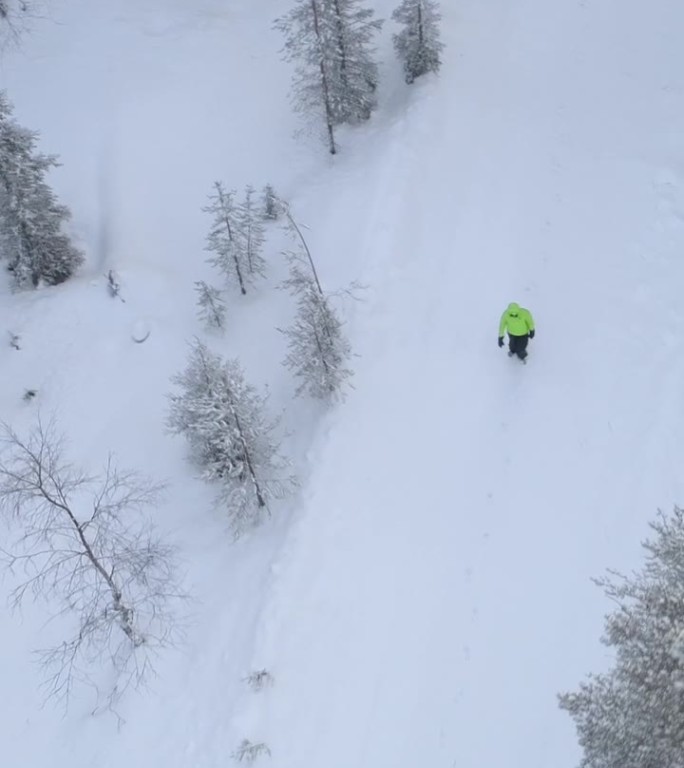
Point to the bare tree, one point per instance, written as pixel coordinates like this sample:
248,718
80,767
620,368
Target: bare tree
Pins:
85,542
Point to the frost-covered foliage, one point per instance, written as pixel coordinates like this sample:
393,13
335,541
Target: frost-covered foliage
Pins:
271,205
231,436
87,546
251,231
212,308
236,238
418,44
224,238
13,16
631,717
31,220
318,350
331,43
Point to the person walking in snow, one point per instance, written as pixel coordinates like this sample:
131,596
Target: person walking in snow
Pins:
520,326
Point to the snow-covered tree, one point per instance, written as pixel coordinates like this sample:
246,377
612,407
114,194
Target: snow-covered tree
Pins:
317,348
271,206
230,434
631,716
87,546
331,42
252,232
225,239
212,308
418,45
236,237
31,219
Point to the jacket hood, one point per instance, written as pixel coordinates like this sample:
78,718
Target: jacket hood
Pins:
513,308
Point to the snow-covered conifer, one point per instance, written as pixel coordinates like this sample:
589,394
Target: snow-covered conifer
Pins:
31,219
225,239
212,308
631,715
331,42
418,45
252,231
317,348
272,207
231,436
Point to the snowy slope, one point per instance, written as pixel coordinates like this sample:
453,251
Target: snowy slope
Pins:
428,593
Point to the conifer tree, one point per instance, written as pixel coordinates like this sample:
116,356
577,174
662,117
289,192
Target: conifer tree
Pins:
32,240
631,716
317,348
212,308
231,436
418,44
252,231
331,42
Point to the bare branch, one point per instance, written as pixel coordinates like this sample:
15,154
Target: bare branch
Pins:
86,543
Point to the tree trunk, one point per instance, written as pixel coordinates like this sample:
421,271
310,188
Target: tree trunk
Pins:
226,219
421,31
324,81
306,248
344,74
248,459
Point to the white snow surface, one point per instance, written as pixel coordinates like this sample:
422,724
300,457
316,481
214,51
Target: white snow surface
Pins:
427,593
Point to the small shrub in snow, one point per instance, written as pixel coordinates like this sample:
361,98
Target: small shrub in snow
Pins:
271,206
249,753
225,421
84,543
212,308
418,44
14,340
331,43
114,285
31,219
259,680
631,715
29,394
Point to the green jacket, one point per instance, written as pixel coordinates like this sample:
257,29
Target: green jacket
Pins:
516,320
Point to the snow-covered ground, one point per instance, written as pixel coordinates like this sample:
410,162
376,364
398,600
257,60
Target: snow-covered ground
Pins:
427,593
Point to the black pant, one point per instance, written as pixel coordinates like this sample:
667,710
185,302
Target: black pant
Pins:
518,345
